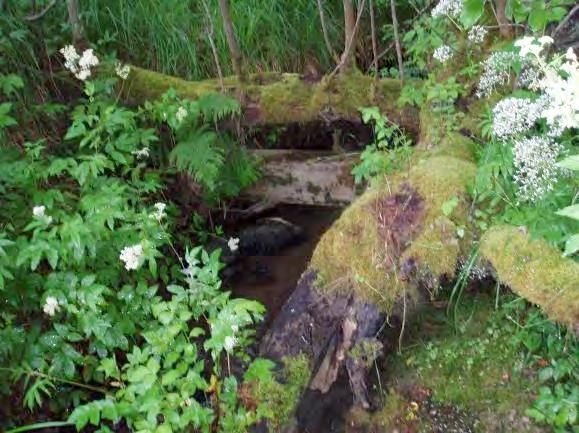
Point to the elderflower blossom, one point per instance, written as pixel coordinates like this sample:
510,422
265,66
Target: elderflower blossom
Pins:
535,160
562,110
229,343
443,53
141,153
477,34
530,45
79,65
496,72
39,212
159,213
451,8
122,71
233,244
513,116
50,306
181,114
132,256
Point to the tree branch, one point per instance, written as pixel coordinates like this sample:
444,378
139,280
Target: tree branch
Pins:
397,39
37,16
236,57
325,32
209,28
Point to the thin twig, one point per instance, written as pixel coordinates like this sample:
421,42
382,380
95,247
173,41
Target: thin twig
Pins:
350,43
563,23
40,14
209,28
374,37
397,39
325,32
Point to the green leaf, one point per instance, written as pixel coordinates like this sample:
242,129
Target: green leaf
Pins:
538,20
472,10
570,163
570,211
572,245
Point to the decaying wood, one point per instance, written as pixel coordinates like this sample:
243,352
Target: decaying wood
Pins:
278,98
306,178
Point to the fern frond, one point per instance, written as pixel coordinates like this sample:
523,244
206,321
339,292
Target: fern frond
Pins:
217,106
199,154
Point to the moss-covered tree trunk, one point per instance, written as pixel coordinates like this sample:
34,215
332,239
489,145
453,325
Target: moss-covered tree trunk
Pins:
274,98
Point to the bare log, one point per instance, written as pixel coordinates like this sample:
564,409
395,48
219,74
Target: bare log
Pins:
306,178
276,98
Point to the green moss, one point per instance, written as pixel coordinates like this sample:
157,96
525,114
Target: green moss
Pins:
478,370
455,145
355,253
536,271
280,398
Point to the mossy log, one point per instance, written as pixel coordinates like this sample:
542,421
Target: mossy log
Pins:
281,98
535,271
382,259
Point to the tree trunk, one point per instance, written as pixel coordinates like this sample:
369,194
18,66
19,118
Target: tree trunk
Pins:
397,39
274,98
505,29
325,32
74,21
349,36
236,57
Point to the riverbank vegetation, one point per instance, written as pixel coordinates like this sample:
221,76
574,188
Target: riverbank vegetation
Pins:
444,298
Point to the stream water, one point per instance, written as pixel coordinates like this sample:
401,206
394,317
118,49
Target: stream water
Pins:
271,279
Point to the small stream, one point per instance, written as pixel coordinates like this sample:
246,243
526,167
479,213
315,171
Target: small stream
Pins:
271,279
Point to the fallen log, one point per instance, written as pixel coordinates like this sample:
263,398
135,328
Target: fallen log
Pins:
305,178
382,259
386,256
281,98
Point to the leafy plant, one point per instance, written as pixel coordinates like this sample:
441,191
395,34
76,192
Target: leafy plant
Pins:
388,152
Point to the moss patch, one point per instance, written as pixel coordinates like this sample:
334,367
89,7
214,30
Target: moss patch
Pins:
478,372
397,228
536,271
280,398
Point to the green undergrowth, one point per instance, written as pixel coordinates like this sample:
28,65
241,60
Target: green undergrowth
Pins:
506,370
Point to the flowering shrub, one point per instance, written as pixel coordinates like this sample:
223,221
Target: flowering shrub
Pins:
97,300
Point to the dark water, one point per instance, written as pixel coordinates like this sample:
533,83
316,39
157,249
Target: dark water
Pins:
271,279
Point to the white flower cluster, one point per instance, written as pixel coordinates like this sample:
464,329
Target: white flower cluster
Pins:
530,45
535,160
122,71
233,244
496,72
79,65
513,116
159,212
50,306
451,8
39,212
141,153
181,114
477,34
229,343
132,256
443,53
562,93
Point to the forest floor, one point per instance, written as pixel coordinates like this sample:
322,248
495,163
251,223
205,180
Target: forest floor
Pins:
455,376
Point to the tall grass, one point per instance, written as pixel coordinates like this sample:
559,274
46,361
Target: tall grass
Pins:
170,35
